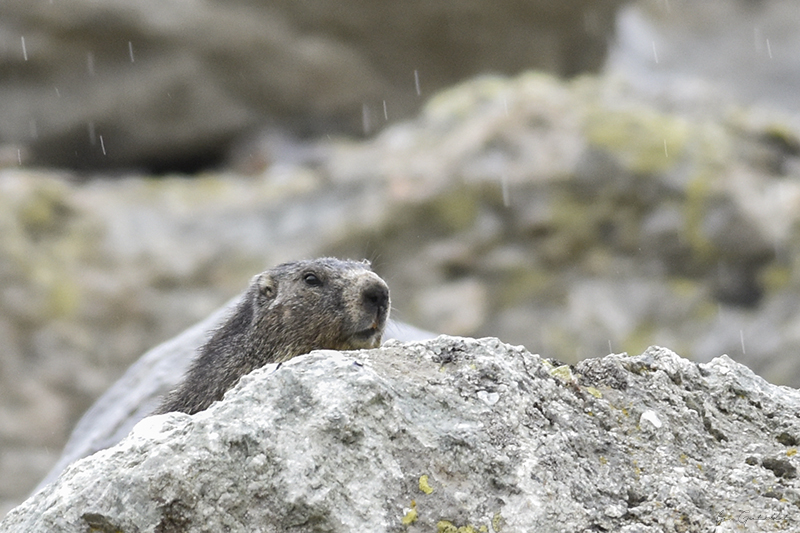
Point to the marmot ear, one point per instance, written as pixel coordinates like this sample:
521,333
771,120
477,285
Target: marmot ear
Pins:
266,285
367,263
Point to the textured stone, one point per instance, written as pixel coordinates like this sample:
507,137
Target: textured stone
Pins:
138,392
506,441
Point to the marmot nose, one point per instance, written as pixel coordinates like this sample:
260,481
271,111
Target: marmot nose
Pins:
375,296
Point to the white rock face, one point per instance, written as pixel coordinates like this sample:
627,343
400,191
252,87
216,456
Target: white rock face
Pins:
339,441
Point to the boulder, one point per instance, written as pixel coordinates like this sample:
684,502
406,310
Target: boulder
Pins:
451,434
143,83
138,392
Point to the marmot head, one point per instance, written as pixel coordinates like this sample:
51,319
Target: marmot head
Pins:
318,304
287,311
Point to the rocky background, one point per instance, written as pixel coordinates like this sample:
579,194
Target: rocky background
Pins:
646,199
174,84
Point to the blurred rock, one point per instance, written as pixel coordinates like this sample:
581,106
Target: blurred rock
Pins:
148,84
570,205
547,213
458,306
453,433
742,50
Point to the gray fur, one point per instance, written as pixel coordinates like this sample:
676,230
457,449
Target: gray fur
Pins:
284,313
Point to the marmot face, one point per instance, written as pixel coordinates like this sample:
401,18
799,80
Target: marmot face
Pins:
287,311
321,304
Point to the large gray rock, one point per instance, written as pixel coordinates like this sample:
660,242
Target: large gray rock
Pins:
139,391
446,434
90,84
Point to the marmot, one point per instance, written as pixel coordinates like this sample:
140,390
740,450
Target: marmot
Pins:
287,311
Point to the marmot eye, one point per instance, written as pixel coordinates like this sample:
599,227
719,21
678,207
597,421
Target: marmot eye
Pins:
312,280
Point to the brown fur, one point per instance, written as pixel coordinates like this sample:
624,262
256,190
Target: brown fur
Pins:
287,311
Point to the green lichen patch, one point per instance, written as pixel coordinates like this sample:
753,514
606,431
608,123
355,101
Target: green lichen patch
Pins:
445,526
594,392
564,373
644,140
423,484
46,210
410,517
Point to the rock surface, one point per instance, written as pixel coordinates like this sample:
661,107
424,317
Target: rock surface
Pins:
451,433
140,390
144,83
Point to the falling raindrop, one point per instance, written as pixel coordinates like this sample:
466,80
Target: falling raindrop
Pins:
130,50
24,50
102,145
769,49
655,54
19,156
666,154
58,94
609,347
741,338
416,82
385,112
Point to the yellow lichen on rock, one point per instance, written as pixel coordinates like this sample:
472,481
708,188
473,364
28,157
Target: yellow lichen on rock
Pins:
423,484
